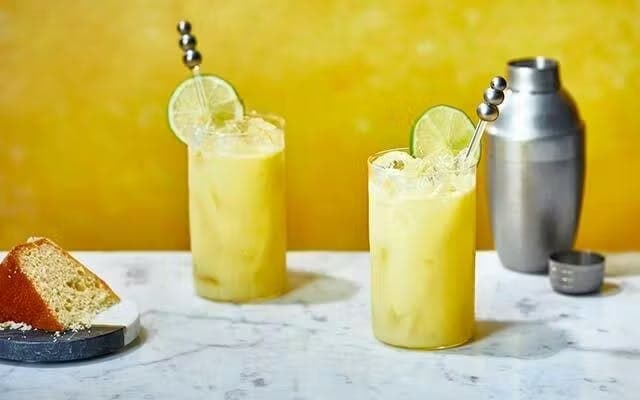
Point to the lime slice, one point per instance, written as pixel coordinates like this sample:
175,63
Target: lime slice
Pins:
186,116
441,130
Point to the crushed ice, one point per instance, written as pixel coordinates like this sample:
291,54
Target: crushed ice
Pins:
437,174
247,134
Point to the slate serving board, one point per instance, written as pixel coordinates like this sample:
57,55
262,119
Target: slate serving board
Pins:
111,331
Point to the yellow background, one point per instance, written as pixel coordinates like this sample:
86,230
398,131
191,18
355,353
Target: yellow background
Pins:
86,156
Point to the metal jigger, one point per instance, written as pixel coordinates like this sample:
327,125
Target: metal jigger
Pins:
192,59
487,111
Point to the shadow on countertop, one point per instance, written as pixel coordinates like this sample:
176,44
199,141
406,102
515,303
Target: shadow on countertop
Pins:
315,288
514,339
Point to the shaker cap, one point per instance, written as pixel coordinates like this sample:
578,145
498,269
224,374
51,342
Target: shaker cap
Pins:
534,75
536,106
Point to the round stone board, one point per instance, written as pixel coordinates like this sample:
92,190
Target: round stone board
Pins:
111,331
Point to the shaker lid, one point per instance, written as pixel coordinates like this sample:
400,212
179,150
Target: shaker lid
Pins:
535,75
536,105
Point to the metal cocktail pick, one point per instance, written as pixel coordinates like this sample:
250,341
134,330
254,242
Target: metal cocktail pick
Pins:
487,111
192,59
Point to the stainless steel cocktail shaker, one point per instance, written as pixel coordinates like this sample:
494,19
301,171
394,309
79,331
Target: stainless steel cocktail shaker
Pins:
536,167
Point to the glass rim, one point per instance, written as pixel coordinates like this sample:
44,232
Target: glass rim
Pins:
471,168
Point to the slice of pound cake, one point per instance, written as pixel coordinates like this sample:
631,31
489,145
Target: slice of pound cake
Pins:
43,286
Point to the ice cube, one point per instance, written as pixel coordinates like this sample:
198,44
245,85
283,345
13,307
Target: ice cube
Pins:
246,135
447,162
257,125
400,161
233,127
262,131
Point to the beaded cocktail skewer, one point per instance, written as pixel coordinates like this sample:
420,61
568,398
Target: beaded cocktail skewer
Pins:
487,111
192,60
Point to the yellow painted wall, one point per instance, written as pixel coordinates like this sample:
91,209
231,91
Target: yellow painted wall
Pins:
86,156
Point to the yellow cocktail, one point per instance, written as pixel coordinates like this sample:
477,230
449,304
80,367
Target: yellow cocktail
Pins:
422,225
237,211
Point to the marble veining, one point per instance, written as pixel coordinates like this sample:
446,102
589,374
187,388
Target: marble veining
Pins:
315,342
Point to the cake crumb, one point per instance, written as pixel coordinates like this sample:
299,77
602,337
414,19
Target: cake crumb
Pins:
15,325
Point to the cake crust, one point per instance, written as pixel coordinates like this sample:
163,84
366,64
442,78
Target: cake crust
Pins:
20,300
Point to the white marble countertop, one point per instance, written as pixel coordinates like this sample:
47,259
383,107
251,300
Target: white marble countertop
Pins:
316,342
